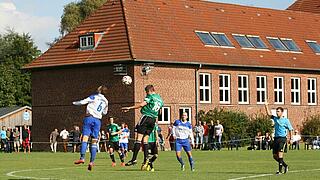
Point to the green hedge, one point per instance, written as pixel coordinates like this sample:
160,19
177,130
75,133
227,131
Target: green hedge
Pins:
311,126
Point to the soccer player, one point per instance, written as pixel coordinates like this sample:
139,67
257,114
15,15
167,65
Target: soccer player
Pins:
153,146
281,125
124,139
149,109
97,105
182,133
113,132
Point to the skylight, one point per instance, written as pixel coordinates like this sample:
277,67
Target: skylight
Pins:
290,44
206,38
222,39
243,41
314,46
277,44
257,42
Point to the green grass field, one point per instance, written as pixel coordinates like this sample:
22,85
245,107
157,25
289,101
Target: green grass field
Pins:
224,164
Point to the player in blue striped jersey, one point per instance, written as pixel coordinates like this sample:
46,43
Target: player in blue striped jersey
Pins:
97,105
182,133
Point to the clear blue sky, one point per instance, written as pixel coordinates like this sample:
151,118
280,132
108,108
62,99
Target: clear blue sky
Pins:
41,18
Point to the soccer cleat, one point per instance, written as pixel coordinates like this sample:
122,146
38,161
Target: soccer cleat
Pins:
278,173
122,164
131,163
90,166
148,167
192,169
183,168
144,166
113,164
80,161
152,170
286,169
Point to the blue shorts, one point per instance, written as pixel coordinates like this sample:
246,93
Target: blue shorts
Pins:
124,146
91,127
183,143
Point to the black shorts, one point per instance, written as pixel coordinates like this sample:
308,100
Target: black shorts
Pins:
153,148
145,125
114,145
279,145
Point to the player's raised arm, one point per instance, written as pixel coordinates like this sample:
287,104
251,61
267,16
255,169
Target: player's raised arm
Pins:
140,105
266,105
84,101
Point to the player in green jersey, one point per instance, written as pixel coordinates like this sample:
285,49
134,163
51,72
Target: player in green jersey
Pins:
153,146
149,109
113,131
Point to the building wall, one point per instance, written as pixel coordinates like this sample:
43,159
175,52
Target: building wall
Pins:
16,119
54,90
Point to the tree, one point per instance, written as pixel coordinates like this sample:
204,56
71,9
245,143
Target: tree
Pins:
74,13
16,50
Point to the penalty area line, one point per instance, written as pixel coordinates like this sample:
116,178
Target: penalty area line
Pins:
263,175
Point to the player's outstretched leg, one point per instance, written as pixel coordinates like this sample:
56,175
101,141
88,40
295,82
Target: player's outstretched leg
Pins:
191,162
93,153
121,155
179,158
83,149
151,161
145,156
136,149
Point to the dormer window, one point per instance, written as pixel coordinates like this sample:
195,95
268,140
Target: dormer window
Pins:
87,41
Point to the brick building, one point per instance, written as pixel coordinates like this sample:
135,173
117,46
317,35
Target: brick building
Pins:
198,54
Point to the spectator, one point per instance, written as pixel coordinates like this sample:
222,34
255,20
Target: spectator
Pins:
26,134
211,135
296,140
258,141
10,139
267,141
218,129
76,138
4,140
103,141
205,135
64,135
198,131
160,139
170,136
16,140
53,140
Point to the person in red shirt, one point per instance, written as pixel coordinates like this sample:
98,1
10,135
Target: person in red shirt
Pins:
205,135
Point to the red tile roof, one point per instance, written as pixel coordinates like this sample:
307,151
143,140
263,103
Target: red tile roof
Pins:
163,30
312,6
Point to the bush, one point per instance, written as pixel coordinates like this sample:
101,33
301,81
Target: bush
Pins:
259,122
311,127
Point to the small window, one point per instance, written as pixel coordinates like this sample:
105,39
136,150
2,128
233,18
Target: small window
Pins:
205,88
222,39
187,110
278,90
164,117
257,42
243,41
291,45
86,42
207,39
312,91
261,89
277,44
295,91
243,89
314,46
224,88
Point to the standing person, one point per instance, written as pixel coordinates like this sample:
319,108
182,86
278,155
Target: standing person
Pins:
153,146
160,139
211,136
149,109
218,129
97,106
170,136
64,134
16,140
281,125
296,140
182,133
205,135
4,140
103,141
10,139
26,134
124,139
113,132
76,138
53,140
198,131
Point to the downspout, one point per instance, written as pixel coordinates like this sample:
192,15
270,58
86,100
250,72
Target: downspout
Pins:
197,90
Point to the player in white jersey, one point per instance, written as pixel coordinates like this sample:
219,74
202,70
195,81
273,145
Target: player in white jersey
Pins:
182,133
124,139
97,105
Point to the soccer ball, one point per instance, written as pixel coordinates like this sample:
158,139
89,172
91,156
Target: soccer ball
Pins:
126,80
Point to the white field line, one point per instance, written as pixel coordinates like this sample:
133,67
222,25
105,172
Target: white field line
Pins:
263,175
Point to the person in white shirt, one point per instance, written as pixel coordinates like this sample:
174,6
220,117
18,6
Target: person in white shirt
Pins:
97,105
218,134
124,139
198,131
64,134
182,133
296,140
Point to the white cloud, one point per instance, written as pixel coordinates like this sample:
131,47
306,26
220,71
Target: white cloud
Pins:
41,29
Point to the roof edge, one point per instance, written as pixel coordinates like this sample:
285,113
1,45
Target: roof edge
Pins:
127,30
24,107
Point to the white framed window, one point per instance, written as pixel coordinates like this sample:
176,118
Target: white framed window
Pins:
261,89
165,116
205,87
243,89
86,42
224,88
187,110
312,91
295,91
278,90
